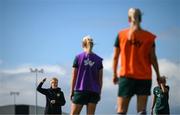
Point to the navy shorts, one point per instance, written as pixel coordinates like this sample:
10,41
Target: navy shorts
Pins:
129,87
85,97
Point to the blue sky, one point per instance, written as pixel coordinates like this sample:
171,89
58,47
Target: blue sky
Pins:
43,33
31,28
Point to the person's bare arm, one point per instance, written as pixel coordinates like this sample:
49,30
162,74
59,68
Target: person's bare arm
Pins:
73,81
155,63
101,78
163,87
115,64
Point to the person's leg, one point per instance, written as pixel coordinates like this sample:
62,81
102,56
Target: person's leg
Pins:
142,90
141,104
91,107
164,111
79,99
125,92
93,99
122,103
75,109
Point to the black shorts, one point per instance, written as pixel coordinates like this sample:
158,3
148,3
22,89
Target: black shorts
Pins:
85,97
164,111
129,87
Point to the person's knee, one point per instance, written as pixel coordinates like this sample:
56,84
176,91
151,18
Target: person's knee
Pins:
75,109
122,104
91,108
73,112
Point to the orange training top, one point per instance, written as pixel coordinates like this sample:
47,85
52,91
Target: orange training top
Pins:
135,54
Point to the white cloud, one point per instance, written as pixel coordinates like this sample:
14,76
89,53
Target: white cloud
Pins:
18,70
107,64
171,71
20,79
55,69
168,68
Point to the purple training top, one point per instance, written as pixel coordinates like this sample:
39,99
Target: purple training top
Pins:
88,66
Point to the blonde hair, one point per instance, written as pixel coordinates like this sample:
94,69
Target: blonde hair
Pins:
54,78
84,43
135,15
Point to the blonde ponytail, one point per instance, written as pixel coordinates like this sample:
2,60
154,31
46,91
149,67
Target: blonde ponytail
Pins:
134,14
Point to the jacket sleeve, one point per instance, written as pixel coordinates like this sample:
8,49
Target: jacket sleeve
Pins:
42,90
61,99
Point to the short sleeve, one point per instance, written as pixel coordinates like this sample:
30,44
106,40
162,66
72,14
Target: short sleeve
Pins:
116,44
75,63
